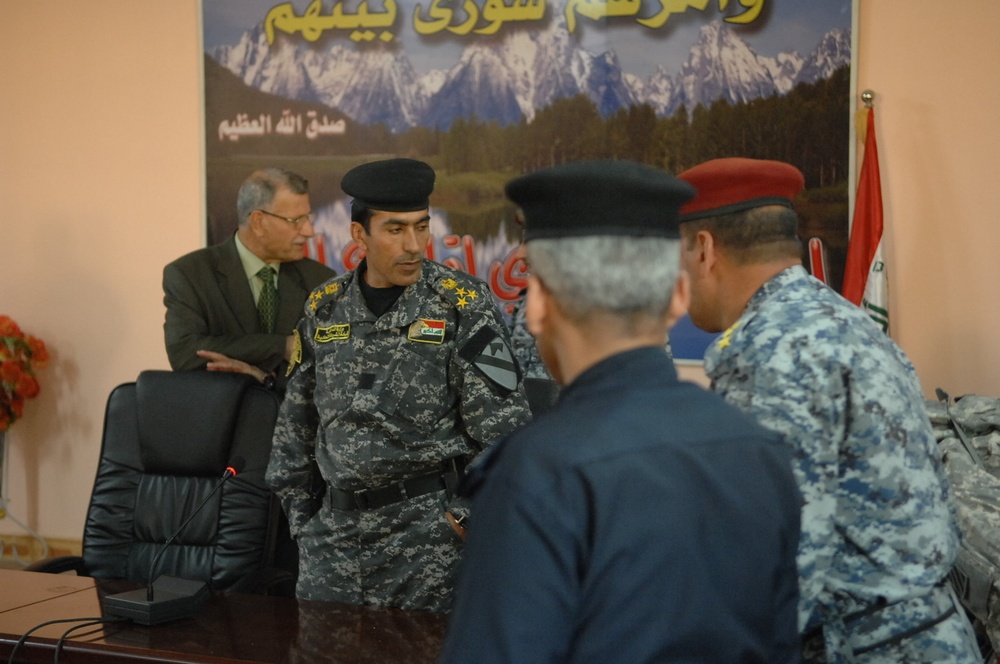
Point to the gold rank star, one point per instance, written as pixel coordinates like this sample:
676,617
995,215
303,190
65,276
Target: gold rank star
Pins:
314,299
726,337
461,292
473,295
462,303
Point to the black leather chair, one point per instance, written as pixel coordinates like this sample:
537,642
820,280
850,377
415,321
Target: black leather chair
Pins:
168,438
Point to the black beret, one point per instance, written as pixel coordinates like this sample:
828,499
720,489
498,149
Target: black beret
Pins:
393,185
599,198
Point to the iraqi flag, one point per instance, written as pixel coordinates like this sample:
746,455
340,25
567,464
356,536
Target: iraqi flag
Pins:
865,279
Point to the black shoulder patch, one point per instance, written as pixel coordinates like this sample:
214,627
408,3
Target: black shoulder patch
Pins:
490,354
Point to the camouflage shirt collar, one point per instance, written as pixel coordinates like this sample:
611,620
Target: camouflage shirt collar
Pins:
773,285
728,341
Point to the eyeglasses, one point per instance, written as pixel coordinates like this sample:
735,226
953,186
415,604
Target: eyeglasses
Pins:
296,221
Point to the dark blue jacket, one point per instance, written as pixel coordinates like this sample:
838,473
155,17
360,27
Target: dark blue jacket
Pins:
640,520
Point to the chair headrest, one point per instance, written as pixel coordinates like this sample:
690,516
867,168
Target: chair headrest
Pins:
186,420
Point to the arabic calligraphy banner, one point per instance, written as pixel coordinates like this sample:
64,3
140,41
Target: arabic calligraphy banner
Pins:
487,89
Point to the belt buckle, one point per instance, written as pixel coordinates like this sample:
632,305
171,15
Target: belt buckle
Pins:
361,499
375,497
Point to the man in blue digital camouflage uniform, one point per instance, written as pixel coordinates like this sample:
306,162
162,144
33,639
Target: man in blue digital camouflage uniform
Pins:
523,344
878,533
401,374
641,519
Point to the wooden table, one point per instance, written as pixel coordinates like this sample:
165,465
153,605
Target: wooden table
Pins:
18,589
229,628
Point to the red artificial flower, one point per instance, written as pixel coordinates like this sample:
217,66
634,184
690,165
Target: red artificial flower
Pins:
10,371
20,355
8,328
17,406
39,353
27,386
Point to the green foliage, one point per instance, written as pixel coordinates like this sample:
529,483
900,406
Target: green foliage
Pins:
808,127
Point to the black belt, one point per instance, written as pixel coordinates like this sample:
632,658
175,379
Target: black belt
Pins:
939,608
444,479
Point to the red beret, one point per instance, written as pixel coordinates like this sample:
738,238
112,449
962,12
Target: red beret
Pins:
735,183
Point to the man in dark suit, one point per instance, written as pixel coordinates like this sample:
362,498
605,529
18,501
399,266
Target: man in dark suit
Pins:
222,314
641,519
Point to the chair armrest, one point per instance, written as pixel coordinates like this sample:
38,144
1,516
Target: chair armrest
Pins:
58,565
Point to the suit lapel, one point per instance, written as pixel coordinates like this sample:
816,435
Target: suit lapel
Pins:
291,296
235,288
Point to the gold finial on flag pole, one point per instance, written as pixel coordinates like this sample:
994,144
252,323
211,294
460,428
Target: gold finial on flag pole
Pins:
861,115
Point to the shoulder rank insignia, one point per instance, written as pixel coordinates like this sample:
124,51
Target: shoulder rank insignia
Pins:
449,284
726,337
427,331
465,297
489,353
296,354
317,295
338,332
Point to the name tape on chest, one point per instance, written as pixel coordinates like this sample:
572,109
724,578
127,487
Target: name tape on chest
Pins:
338,332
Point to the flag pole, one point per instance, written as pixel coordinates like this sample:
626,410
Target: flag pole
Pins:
865,279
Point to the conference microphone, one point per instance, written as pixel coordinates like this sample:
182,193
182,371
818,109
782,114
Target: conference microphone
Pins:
169,598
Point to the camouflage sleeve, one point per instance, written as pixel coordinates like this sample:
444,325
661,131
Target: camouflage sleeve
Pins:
485,376
523,344
292,472
806,404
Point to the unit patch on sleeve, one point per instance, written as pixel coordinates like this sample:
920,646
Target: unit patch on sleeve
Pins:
296,354
427,331
340,332
489,353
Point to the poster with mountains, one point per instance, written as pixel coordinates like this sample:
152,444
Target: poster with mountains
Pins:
485,90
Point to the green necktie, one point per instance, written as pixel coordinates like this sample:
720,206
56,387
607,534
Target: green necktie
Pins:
267,305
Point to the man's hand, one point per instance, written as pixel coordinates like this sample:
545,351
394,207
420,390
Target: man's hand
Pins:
459,524
289,347
220,362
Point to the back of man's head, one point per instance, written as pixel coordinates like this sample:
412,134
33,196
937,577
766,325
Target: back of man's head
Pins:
602,236
748,207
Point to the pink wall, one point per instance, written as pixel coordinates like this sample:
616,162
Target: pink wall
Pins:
100,146
935,69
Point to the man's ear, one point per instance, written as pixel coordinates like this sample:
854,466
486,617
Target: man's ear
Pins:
680,299
255,221
707,252
358,234
538,305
